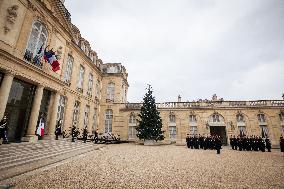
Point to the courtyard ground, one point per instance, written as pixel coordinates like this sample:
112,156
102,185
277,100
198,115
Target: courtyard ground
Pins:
166,166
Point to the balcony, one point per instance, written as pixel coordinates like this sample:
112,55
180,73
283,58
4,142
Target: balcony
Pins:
35,60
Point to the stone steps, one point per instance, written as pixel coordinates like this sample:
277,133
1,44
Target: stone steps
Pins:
18,158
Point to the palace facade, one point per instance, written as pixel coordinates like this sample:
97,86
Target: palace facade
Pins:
88,93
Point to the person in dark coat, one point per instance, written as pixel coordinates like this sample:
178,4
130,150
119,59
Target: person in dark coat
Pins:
191,143
268,144
186,139
231,142
234,143
205,143
58,129
201,140
85,134
4,130
240,143
218,144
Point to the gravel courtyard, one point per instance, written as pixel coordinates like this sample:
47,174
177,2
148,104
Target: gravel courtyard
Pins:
167,166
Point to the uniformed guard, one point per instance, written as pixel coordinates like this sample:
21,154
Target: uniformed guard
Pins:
73,133
85,134
200,143
187,141
58,129
218,144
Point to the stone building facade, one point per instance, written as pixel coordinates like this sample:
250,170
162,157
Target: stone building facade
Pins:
86,92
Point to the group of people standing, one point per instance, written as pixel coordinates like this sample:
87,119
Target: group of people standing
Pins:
252,143
204,142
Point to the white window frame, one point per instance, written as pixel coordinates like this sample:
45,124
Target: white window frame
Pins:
192,119
61,108
265,129
110,91
80,78
108,120
193,130
261,118
76,113
172,132
69,69
86,116
34,46
90,84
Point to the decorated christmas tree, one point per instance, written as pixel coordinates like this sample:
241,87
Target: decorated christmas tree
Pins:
150,123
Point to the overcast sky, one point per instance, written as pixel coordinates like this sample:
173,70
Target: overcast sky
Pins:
194,48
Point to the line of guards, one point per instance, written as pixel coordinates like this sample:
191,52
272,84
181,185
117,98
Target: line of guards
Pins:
253,143
204,142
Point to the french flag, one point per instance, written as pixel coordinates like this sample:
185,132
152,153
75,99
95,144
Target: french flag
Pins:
50,57
40,129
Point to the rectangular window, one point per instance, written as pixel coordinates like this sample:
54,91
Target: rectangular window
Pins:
242,130
68,70
76,113
108,121
90,85
132,132
86,117
173,132
193,129
110,91
61,109
80,79
264,131
261,118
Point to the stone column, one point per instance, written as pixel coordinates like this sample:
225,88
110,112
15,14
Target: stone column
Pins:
30,136
53,117
4,92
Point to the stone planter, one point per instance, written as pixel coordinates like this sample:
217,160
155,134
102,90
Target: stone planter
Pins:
150,143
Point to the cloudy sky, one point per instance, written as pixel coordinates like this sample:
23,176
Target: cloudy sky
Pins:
194,48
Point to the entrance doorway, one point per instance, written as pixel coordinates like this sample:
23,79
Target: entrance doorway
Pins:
18,109
220,131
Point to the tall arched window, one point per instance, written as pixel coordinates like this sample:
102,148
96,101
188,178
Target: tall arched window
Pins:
172,126
37,39
108,121
110,91
76,113
241,124
263,125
